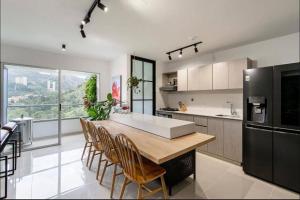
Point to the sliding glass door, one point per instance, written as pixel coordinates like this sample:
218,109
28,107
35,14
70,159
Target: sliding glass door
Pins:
33,102
143,99
47,103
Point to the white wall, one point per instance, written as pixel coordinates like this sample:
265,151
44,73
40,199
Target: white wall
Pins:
121,66
276,51
19,55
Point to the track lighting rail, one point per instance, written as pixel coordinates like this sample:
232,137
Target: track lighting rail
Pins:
182,48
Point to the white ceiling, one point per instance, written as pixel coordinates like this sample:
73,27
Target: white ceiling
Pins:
147,27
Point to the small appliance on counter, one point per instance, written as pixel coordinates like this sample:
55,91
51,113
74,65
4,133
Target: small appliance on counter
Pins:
166,112
271,126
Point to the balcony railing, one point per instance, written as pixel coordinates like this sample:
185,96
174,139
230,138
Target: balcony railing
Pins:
46,112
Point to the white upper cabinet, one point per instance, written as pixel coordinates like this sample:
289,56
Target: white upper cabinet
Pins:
236,68
182,77
220,76
200,78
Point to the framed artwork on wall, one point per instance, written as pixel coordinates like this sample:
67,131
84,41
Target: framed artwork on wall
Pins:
117,88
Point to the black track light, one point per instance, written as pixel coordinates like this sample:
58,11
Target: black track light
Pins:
102,6
196,49
180,53
82,31
63,47
180,50
85,21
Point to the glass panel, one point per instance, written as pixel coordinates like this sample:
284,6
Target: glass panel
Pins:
138,92
290,98
148,71
148,109
72,86
137,69
33,102
72,93
72,111
148,90
137,106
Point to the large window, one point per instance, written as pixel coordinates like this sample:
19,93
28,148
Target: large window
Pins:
72,93
34,92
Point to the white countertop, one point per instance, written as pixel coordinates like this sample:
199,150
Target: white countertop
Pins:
165,127
209,114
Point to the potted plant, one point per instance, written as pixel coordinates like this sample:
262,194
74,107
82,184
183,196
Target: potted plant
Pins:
133,83
96,110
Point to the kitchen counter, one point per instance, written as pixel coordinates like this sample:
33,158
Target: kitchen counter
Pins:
209,114
164,127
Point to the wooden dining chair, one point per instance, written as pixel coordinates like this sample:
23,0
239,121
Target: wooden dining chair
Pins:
97,148
109,149
138,169
88,140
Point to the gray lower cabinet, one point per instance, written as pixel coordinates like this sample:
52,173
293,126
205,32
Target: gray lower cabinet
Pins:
215,127
202,129
233,140
228,132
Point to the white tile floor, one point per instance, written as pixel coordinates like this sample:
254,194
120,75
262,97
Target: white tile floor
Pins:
58,172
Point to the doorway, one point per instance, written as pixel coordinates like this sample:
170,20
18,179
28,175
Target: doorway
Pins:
143,99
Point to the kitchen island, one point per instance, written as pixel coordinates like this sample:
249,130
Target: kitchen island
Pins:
177,155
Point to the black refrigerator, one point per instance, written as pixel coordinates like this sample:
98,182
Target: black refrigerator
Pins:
271,124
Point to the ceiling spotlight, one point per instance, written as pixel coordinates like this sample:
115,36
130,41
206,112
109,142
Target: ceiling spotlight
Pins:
63,47
102,6
170,57
196,49
180,54
85,21
82,31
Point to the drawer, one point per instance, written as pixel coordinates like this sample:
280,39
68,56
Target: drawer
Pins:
200,120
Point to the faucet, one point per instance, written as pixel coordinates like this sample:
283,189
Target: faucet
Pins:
232,111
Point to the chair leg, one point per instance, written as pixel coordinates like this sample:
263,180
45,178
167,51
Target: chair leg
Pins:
83,150
123,188
140,195
113,182
103,172
99,165
164,188
92,159
88,159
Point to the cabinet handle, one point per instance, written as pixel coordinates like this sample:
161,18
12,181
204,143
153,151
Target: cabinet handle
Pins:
200,125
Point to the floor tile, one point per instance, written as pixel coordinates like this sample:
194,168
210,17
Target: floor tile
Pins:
58,172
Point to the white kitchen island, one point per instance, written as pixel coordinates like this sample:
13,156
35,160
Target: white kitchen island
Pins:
164,127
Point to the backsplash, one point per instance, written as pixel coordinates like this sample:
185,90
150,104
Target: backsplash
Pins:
208,101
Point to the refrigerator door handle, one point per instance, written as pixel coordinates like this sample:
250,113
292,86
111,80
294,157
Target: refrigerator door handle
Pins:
256,127
253,128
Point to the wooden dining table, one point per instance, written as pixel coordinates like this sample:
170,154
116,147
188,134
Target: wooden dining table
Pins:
177,156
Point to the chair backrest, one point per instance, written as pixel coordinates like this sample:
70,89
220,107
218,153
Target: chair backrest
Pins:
107,143
129,156
84,129
93,131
